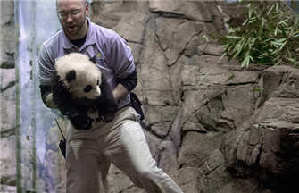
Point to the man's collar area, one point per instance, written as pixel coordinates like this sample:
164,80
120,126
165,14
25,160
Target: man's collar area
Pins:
90,39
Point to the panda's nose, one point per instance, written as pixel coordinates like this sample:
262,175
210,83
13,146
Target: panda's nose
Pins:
87,88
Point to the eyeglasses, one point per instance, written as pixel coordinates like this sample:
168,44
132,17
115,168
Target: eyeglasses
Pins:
64,15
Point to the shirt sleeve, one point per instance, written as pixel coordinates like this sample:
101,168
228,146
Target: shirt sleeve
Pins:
45,67
130,82
121,58
122,62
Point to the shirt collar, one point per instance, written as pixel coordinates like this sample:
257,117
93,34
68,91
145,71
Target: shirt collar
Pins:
90,39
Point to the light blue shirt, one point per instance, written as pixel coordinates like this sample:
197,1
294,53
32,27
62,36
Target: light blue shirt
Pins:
112,53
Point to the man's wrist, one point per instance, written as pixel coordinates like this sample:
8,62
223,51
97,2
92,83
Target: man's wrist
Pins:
119,91
115,95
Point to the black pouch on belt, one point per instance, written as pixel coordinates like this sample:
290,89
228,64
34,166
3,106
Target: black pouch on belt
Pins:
62,146
136,104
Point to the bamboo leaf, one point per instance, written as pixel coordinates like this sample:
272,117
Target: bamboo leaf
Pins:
269,35
233,37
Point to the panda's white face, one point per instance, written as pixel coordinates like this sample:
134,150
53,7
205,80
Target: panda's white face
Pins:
83,84
80,76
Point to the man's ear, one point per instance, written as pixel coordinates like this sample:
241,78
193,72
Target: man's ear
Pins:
87,8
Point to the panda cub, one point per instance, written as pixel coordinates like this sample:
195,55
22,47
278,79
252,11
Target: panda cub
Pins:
81,91
79,75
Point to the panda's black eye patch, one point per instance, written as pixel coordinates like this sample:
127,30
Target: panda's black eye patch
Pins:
98,82
71,75
87,88
58,77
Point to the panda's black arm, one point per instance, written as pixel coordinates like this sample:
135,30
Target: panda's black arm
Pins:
62,99
45,90
76,113
106,103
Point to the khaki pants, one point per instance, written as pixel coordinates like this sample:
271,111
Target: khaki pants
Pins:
121,142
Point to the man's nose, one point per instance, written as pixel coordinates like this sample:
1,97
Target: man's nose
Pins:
69,18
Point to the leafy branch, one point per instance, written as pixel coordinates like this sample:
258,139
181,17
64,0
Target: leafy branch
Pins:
269,35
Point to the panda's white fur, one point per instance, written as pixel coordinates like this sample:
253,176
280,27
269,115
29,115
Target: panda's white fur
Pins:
79,75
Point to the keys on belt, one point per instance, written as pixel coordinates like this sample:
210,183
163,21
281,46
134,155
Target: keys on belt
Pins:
105,118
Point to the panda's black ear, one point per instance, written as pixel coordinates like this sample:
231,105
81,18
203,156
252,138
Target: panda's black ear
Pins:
71,75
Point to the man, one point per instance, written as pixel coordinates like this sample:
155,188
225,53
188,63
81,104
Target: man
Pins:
120,141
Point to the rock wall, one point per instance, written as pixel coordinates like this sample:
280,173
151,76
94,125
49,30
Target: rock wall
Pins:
8,45
211,125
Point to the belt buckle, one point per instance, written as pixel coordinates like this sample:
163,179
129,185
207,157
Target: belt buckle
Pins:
108,117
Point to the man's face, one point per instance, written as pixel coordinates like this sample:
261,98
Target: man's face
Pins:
72,16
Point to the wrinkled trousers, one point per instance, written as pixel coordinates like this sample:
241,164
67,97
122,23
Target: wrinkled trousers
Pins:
121,142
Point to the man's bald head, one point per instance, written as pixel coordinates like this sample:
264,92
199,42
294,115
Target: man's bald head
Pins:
72,15
84,2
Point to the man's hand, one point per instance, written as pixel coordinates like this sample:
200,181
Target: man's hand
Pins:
47,96
49,102
119,91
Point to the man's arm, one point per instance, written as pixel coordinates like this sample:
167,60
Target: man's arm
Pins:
125,86
124,67
46,74
119,91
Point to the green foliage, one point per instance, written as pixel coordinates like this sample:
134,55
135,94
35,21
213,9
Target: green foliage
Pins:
269,35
